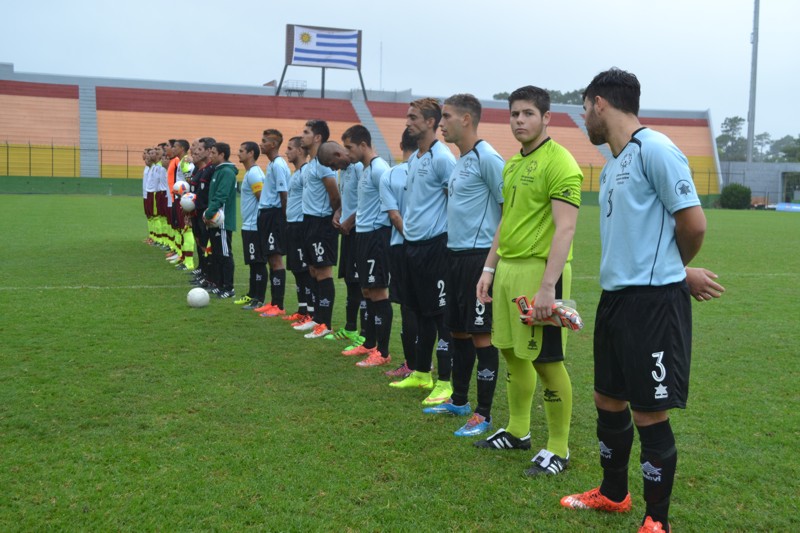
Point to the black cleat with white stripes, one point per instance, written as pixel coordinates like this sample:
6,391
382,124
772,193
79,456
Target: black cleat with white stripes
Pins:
547,463
503,440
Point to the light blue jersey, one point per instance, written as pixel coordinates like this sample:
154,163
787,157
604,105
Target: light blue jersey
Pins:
393,184
475,194
276,181
640,190
249,201
294,201
349,179
316,201
370,216
425,202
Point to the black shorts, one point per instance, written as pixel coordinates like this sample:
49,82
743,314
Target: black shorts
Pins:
396,270
465,313
200,232
348,269
425,275
295,237
252,247
271,227
643,346
321,246
373,258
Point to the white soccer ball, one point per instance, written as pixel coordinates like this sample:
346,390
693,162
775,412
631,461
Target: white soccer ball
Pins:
218,220
197,297
187,202
180,188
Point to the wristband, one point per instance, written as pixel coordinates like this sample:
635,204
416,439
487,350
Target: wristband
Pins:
490,270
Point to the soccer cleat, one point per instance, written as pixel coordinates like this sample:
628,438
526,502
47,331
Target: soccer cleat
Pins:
300,321
226,294
264,308
651,526
401,371
307,325
374,359
594,500
320,330
547,463
357,350
252,305
294,317
341,334
415,380
448,408
358,341
214,290
440,393
172,257
274,312
181,266
476,425
503,440
243,300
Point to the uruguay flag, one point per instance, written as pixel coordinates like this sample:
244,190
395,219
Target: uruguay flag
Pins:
325,48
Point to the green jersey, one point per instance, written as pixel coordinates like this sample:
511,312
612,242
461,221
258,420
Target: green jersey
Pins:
530,183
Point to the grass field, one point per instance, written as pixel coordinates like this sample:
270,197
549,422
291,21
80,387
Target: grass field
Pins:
121,409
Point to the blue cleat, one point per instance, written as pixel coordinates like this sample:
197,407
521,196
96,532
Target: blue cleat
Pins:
447,408
476,425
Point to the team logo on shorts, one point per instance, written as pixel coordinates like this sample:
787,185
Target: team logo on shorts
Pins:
532,345
661,392
479,321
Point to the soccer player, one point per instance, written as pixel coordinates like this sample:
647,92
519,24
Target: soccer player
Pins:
393,184
532,253
162,197
473,212
170,162
344,220
651,227
252,244
320,200
184,237
297,156
199,184
222,195
272,220
148,195
373,235
425,247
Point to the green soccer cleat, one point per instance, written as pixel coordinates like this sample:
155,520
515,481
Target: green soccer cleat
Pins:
243,300
417,380
341,334
440,393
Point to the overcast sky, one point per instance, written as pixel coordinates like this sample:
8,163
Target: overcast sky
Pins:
688,54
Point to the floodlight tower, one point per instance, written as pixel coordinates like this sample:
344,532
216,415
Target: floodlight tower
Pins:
751,112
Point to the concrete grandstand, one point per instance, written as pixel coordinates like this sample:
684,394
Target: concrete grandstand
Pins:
70,126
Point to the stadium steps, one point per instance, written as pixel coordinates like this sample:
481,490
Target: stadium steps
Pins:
578,118
368,121
87,110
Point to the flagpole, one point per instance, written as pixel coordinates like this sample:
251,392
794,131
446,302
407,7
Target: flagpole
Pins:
323,83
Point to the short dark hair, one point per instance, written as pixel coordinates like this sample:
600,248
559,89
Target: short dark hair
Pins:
319,127
620,88
407,142
224,149
539,97
183,143
162,145
274,133
297,142
358,134
208,142
430,108
250,146
468,103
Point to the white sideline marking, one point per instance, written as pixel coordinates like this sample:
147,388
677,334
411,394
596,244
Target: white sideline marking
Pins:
89,287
